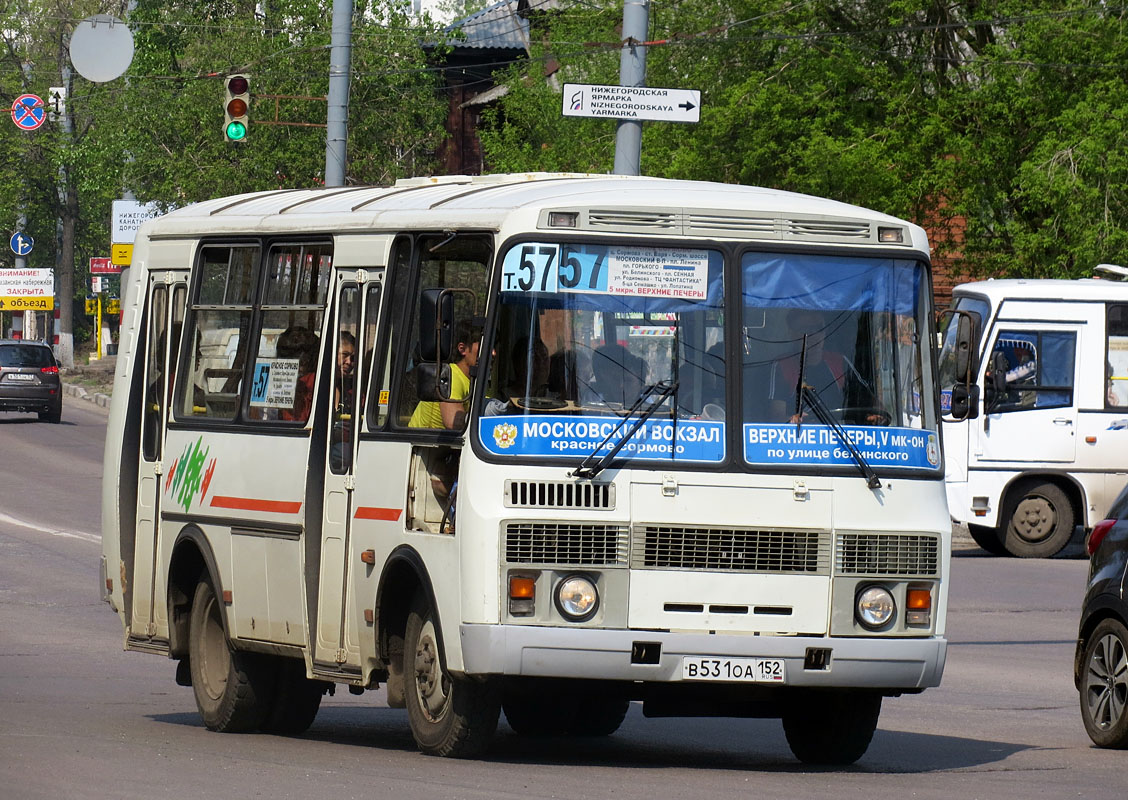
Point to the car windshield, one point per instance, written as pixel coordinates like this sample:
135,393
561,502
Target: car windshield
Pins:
584,331
22,355
853,331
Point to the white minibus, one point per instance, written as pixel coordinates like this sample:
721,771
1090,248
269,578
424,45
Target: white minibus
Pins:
1036,437
541,445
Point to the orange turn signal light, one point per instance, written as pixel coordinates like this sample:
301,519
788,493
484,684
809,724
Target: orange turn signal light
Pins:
521,587
918,599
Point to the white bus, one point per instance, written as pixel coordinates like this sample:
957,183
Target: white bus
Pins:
540,444
1037,448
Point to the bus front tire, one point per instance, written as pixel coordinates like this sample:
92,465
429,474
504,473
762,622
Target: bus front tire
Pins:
1039,520
233,689
449,716
832,727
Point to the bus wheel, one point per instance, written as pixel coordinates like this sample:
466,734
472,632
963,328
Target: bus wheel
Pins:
296,700
233,689
987,538
449,716
1039,522
833,727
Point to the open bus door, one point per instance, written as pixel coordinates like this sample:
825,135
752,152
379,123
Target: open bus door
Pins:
336,641
165,298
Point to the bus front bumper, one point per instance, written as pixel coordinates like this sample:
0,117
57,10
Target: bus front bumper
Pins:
586,653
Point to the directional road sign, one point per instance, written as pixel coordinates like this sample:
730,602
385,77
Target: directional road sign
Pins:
631,102
21,243
28,112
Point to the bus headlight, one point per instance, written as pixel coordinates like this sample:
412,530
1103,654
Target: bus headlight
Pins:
874,607
576,597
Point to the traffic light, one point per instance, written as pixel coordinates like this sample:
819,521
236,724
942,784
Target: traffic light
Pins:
236,106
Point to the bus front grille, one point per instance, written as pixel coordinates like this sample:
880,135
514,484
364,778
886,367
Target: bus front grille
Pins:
569,544
729,549
887,554
559,494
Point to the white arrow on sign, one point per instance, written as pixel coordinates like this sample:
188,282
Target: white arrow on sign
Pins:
631,102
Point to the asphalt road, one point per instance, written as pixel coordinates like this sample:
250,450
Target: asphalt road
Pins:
79,718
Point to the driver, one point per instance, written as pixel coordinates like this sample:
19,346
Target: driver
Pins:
830,374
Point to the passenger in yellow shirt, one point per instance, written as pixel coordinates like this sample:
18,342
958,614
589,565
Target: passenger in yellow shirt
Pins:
451,414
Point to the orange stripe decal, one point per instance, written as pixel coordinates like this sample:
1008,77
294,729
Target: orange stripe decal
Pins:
251,504
385,514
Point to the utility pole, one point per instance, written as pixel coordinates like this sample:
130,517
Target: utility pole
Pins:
337,118
632,72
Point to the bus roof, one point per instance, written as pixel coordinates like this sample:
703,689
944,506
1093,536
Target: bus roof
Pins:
1091,289
613,203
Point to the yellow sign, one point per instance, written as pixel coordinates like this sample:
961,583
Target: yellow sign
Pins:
27,303
113,306
91,306
121,254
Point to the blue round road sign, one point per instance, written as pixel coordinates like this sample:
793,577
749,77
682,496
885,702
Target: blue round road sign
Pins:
28,112
21,243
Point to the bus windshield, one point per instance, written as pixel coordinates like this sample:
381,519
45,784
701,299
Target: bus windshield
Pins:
849,329
586,331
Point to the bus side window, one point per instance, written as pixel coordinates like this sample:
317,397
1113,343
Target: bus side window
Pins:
1116,365
220,319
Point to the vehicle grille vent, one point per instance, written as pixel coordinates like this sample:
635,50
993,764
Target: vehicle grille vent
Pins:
730,224
565,543
823,229
887,554
727,549
559,494
634,220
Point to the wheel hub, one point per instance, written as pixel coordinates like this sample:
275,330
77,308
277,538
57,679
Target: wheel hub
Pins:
1034,519
431,684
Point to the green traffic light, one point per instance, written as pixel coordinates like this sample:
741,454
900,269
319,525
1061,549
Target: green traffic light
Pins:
236,131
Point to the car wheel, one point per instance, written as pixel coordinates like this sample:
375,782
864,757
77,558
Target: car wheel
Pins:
1104,685
55,415
1039,520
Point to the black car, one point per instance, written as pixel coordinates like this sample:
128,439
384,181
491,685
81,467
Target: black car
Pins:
29,379
1100,666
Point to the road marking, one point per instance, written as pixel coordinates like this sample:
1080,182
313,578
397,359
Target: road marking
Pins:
86,537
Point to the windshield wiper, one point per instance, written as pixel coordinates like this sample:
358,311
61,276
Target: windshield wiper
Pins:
664,390
817,405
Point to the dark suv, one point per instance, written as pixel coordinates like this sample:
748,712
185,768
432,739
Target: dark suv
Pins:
1100,666
29,379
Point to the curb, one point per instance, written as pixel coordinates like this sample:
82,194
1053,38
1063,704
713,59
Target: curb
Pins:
98,398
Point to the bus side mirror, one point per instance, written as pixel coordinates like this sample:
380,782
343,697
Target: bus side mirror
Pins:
436,325
996,384
965,352
965,401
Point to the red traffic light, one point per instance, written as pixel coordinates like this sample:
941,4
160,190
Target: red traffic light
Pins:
237,84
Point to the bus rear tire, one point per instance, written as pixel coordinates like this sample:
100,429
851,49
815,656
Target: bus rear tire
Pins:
987,538
449,716
1039,520
832,727
296,700
233,689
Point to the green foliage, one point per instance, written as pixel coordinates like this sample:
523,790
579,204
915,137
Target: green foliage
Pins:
1005,117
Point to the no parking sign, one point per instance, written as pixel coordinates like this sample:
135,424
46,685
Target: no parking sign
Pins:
28,112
